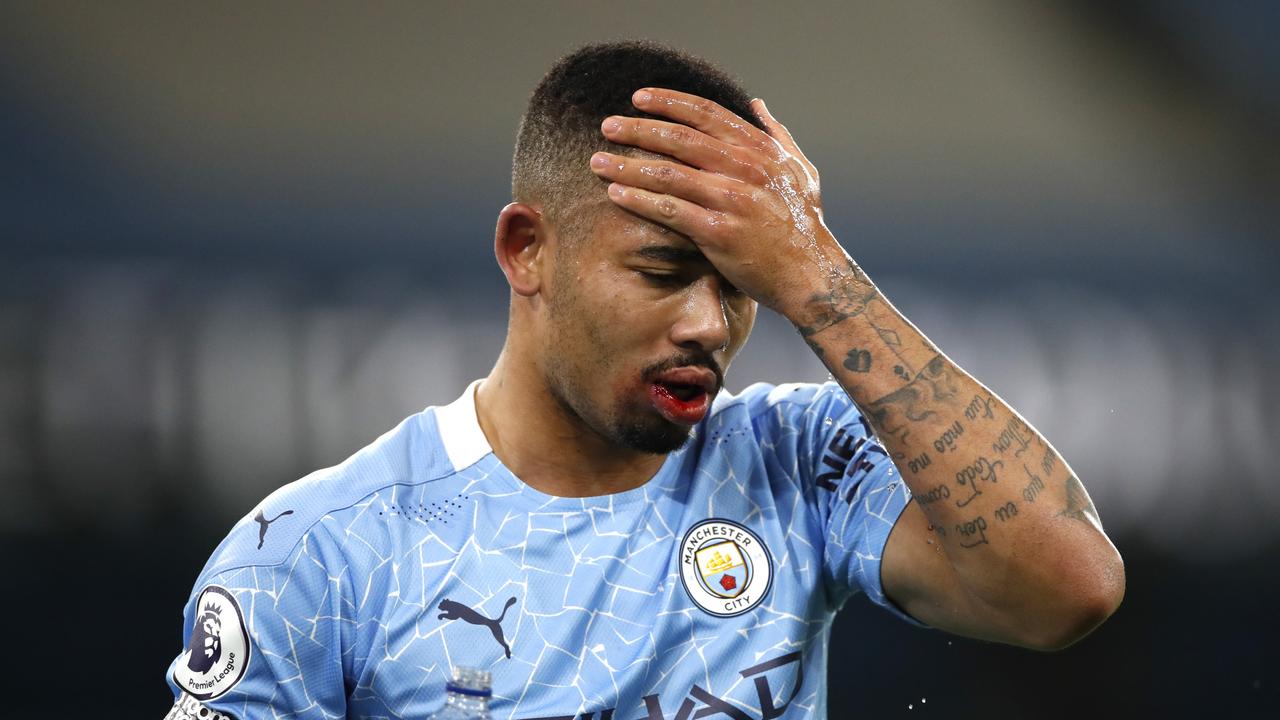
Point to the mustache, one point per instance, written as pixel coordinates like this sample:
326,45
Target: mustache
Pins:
688,360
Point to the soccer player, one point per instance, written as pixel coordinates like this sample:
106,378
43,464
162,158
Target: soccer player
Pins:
597,522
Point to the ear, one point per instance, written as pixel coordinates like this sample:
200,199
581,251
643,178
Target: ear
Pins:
518,242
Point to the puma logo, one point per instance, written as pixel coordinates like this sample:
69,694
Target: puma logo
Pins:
451,610
263,522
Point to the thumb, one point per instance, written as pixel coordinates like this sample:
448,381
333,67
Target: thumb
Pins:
776,129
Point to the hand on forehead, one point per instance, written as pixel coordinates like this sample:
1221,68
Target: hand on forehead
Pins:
741,194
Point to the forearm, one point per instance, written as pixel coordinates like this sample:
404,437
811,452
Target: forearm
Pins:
1013,520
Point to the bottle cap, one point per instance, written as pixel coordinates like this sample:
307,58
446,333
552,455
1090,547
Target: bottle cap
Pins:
470,681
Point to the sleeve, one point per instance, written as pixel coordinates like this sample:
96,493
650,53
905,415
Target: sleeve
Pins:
265,641
858,493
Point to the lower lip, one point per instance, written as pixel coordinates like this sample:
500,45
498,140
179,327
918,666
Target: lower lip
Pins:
684,412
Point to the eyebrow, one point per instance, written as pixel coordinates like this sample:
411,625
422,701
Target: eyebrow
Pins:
670,253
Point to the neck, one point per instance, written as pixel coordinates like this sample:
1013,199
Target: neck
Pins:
544,444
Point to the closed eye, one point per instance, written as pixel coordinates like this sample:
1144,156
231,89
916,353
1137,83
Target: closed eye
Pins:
662,279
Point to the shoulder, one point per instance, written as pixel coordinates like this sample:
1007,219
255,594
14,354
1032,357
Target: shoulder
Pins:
794,423
409,454
786,403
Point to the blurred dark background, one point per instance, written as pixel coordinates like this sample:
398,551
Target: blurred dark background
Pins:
240,240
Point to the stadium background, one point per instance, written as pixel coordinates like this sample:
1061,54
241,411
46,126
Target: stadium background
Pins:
237,242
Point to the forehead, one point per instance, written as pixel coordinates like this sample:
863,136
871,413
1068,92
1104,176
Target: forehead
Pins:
621,234
617,230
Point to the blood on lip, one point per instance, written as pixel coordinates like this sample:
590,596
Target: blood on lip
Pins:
679,409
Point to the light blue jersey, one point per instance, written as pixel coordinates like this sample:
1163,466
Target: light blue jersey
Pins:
707,592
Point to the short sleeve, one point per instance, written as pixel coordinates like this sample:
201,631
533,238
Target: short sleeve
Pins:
266,641
858,492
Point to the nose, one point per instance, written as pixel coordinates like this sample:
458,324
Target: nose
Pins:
703,323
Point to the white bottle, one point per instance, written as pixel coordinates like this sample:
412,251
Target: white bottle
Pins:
467,696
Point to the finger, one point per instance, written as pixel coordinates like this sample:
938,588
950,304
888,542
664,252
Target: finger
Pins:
688,219
780,133
706,115
709,190
687,144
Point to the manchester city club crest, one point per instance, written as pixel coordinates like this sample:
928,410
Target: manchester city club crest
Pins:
725,568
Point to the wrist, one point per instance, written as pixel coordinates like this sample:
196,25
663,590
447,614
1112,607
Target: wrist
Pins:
835,290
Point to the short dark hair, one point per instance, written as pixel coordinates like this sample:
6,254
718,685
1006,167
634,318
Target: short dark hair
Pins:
561,127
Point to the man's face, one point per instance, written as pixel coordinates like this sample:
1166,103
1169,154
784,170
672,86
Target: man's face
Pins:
641,328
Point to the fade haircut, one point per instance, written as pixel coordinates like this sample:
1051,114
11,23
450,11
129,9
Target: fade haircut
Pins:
561,127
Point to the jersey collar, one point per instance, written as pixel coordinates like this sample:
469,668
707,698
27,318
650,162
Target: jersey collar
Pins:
460,431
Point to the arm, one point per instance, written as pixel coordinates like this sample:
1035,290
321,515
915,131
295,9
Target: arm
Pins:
1002,542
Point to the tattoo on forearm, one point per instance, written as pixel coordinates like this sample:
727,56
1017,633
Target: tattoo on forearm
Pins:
947,440
1078,504
910,404
981,469
891,413
918,463
979,407
890,337
1006,512
1034,487
892,341
814,346
937,376
1049,461
1016,433
942,492
858,361
974,532
847,299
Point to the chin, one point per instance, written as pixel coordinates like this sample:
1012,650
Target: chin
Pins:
658,438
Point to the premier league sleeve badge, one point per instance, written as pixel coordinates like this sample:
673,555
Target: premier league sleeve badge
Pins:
218,650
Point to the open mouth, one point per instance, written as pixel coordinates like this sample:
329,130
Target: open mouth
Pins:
684,391
683,395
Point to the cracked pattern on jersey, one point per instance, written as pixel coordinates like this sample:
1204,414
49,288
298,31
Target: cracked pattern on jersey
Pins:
574,605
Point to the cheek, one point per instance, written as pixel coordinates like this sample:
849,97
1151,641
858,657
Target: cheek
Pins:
602,345
621,339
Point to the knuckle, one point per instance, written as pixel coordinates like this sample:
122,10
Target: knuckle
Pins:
718,226
664,177
743,196
667,207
